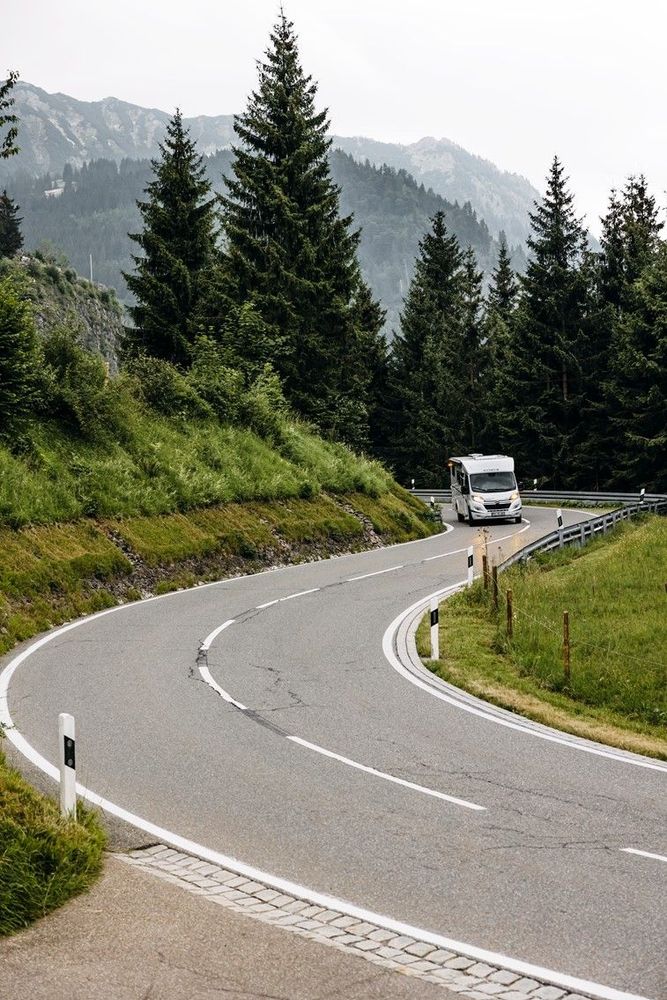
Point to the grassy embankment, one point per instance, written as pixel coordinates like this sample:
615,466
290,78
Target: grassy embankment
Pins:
614,591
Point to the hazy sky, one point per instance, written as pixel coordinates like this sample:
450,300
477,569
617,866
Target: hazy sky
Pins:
511,80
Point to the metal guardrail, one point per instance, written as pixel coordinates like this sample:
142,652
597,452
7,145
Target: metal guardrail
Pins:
574,534
572,496
584,531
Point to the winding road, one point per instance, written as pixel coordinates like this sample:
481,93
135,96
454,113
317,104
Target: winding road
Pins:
261,717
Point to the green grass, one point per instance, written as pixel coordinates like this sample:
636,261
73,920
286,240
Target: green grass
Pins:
396,515
44,859
166,465
614,591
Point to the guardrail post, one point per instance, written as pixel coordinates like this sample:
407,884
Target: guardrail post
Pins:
470,565
435,629
582,534
67,755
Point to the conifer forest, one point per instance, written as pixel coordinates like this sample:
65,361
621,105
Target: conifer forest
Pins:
247,270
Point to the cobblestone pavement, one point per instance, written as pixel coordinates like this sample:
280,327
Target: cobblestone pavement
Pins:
376,944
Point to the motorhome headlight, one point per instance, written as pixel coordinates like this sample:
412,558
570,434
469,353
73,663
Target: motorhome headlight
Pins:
515,495
477,498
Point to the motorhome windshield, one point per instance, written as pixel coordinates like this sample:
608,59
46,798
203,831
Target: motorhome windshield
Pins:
492,482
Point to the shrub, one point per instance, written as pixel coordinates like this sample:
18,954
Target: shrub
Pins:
221,386
77,390
166,389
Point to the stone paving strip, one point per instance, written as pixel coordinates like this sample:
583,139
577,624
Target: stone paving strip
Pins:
376,944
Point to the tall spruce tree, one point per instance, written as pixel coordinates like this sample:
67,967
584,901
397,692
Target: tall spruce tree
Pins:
289,254
427,380
179,247
639,382
11,239
472,362
503,288
629,242
540,385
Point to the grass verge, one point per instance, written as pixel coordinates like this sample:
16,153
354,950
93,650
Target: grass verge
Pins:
614,590
44,859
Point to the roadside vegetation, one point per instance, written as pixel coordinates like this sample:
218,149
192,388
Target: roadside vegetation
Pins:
614,591
44,858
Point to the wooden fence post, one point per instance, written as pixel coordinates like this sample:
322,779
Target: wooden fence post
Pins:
566,646
510,615
494,581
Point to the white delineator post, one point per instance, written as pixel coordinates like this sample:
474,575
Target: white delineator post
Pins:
559,518
470,565
66,735
642,494
435,629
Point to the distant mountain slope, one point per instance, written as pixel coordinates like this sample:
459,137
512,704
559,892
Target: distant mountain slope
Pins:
502,199
94,208
57,129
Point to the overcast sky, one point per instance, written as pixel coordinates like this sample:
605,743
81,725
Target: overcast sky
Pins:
512,80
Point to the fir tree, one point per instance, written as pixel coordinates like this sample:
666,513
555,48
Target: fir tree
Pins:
638,388
629,241
11,239
503,289
539,389
288,251
18,361
178,243
499,314
8,146
472,361
427,376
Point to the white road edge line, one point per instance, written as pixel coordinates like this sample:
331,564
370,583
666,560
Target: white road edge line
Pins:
378,572
387,777
550,736
644,854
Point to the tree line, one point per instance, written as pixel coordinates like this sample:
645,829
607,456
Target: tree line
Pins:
562,366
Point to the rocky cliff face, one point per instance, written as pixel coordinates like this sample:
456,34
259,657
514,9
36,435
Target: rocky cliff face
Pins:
57,129
62,299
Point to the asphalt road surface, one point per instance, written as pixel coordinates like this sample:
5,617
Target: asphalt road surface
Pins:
539,873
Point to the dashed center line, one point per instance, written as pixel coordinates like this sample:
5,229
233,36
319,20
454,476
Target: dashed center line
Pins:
387,777
644,854
378,572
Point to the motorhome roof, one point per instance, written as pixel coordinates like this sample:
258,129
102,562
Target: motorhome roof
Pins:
485,463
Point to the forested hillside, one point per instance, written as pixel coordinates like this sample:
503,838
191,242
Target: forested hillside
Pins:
95,209
57,129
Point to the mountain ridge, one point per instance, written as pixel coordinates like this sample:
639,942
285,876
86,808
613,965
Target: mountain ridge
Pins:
58,129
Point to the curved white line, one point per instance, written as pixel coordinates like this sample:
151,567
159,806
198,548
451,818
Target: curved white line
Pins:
206,644
552,736
383,774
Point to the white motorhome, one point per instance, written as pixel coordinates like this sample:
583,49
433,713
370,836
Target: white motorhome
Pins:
484,488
